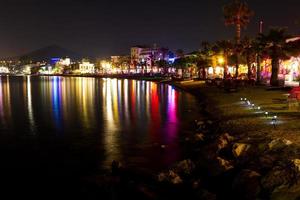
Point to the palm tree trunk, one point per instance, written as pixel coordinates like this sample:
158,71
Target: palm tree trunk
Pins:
225,67
225,72
238,33
258,70
275,69
249,68
237,65
238,41
204,73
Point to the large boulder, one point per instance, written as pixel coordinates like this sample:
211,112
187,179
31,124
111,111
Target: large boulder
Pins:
184,167
224,141
199,137
170,177
296,163
290,190
279,177
200,125
240,149
287,193
246,185
266,161
279,144
220,165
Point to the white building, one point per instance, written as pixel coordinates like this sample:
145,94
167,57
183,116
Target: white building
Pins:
4,70
64,62
86,67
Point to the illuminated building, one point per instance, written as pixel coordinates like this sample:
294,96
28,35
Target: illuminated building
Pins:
289,69
85,67
65,62
143,58
4,70
26,70
47,69
120,64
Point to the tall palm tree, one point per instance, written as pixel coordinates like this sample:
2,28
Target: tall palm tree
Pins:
248,52
164,65
204,59
225,48
259,46
276,48
238,14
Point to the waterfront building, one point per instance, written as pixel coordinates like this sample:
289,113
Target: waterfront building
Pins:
64,61
85,67
120,64
46,70
289,69
4,70
144,58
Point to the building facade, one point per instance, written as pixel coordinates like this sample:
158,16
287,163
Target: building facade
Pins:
85,67
144,58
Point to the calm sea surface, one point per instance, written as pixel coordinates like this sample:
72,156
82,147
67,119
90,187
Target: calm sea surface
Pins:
57,129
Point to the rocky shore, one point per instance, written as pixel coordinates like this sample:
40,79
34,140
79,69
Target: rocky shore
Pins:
217,165
224,165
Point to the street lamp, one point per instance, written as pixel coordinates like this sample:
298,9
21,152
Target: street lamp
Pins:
221,60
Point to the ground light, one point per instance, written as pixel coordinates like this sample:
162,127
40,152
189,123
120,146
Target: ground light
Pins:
274,121
274,118
266,114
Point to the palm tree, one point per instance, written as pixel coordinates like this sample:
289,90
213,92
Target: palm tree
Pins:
248,52
162,64
276,48
259,45
204,58
238,14
224,47
180,64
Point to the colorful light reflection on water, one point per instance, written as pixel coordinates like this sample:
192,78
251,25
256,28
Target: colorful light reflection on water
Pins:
125,120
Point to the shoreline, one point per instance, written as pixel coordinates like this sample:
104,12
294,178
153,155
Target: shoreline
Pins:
114,76
225,158
241,165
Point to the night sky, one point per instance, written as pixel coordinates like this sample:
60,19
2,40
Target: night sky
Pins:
109,27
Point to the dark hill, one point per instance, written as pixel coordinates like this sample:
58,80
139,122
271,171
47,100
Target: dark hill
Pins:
45,54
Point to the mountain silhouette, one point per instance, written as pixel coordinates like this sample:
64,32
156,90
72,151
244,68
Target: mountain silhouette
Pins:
49,52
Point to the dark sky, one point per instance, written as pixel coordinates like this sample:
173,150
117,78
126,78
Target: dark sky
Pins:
106,27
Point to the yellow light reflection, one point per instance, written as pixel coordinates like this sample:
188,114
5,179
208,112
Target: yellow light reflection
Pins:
110,137
126,109
85,92
29,106
5,101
